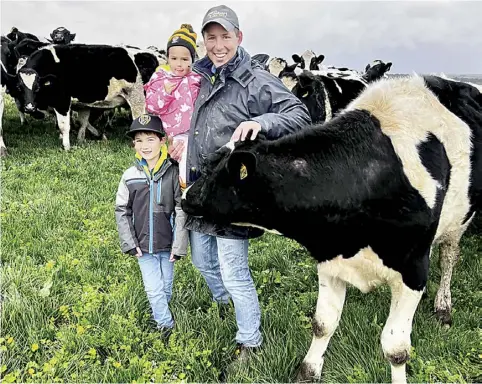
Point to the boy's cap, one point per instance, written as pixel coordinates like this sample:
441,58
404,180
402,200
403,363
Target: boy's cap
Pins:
146,123
222,15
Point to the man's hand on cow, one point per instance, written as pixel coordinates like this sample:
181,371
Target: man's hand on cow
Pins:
243,130
175,148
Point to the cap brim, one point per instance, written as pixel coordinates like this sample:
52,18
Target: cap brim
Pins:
224,23
131,133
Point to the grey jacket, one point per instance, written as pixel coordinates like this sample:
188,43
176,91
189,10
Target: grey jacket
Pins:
240,91
146,209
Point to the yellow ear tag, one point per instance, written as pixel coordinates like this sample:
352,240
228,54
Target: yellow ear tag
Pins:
243,172
306,94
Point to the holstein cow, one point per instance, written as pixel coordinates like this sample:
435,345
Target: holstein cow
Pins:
308,60
17,36
98,76
368,193
324,94
61,35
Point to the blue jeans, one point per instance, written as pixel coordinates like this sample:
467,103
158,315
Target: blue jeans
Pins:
224,265
157,275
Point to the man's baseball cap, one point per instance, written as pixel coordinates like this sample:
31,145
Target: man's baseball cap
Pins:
222,15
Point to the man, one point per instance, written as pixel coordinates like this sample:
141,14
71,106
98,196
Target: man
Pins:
236,97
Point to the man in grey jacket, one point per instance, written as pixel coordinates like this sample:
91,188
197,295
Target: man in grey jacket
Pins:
236,97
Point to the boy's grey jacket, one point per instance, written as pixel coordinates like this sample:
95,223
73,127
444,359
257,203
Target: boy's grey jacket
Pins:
146,210
241,91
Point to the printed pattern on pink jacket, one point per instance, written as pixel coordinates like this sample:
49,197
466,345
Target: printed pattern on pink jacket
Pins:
175,109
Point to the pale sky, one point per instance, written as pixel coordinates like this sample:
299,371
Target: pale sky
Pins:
420,36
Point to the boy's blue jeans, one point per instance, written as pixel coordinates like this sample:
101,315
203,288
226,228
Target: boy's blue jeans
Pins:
157,275
224,265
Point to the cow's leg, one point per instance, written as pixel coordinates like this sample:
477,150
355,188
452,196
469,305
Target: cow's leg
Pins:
136,100
331,297
64,125
83,116
449,254
3,148
395,337
19,105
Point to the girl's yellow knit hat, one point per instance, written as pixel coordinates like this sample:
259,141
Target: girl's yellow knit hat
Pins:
185,37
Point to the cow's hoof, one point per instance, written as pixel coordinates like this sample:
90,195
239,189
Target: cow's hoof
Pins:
104,138
444,316
305,374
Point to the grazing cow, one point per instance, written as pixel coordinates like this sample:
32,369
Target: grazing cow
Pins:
376,70
17,36
308,60
98,76
325,94
368,193
62,35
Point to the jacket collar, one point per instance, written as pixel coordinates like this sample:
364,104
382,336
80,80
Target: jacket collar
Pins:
239,68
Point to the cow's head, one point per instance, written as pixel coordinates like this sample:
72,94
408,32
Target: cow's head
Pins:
62,35
308,60
376,70
36,90
310,90
230,188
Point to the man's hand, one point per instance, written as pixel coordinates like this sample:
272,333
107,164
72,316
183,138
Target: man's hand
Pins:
169,87
139,252
175,149
174,258
243,130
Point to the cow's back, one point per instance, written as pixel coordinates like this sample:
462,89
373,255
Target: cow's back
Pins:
420,128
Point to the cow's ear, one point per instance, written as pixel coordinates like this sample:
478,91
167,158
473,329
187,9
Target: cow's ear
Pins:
241,165
290,68
296,58
48,80
367,67
72,36
320,59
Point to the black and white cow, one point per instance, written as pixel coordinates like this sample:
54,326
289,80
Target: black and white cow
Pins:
324,94
308,60
61,35
368,193
376,70
87,76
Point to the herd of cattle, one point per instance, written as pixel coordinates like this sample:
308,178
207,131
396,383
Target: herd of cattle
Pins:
58,76
390,168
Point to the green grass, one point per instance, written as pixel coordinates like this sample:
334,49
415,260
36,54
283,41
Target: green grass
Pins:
74,309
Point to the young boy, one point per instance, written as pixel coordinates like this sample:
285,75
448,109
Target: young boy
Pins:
149,217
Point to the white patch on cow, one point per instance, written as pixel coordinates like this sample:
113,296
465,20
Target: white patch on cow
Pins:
328,114
289,82
185,192
338,87
307,56
3,66
408,111
51,48
64,125
276,65
28,79
230,145
200,49
365,270
21,62
274,231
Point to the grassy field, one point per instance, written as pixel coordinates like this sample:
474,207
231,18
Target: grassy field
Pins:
74,309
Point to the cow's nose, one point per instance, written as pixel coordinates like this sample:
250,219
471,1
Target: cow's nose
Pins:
29,107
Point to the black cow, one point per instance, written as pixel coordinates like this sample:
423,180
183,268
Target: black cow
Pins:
16,36
308,60
99,76
368,193
325,94
376,70
61,35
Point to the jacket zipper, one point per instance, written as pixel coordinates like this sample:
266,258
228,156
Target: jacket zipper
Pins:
151,218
